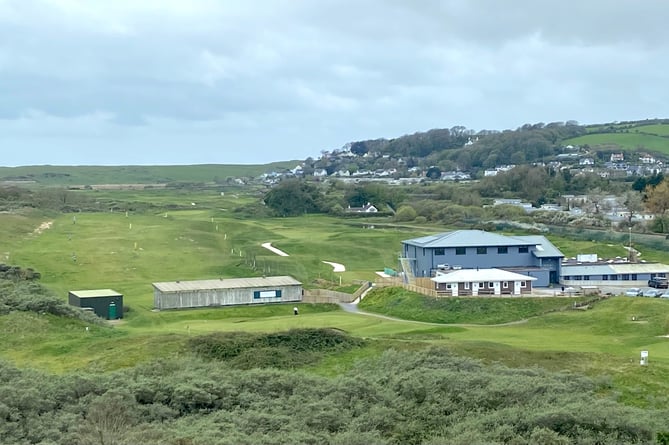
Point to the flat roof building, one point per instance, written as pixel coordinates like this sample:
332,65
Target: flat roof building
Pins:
226,292
105,303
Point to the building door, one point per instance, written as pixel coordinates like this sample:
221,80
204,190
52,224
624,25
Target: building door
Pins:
112,311
554,277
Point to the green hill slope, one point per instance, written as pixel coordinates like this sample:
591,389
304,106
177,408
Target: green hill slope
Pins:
654,137
135,174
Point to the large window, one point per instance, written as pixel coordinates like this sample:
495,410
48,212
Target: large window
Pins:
461,251
439,252
523,249
481,250
502,250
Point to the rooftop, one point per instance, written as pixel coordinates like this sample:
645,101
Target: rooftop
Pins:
473,275
230,283
468,238
93,293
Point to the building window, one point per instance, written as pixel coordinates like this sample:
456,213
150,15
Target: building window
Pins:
586,277
481,285
634,277
566,278
502,250
266,294
605,277
461,251
523,284
614,277
578,277
491,285
626,277
523,249
505,285
439,252
481,250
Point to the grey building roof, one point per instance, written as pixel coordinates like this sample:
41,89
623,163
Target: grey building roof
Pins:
230,283
545,249
613,268
93,293
468,238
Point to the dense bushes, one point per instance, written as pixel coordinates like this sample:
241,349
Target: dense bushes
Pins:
281,350
426,397
32,297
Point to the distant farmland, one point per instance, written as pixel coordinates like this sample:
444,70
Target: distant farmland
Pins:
646,137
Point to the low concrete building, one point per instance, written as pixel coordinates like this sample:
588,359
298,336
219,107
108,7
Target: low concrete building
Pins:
105,303
610,273
226,292
483,282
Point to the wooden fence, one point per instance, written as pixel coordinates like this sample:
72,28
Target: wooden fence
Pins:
423,286
331,296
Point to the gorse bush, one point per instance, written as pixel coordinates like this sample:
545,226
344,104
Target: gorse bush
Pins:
428,397
281,350
30,296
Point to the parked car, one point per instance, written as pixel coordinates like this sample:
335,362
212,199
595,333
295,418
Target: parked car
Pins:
659,282
651,293
633,292
664,295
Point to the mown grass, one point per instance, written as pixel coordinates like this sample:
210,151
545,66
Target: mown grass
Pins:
400,303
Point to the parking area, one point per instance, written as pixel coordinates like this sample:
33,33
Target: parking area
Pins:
578,291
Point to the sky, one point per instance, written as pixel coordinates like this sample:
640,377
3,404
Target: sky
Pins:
164,82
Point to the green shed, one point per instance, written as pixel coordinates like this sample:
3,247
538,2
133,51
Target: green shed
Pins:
106,303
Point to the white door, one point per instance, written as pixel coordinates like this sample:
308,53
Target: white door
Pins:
516,288
496,288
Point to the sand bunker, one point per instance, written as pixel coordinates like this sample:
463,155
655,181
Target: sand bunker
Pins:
42,227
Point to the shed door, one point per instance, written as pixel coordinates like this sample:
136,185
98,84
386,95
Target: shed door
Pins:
112,311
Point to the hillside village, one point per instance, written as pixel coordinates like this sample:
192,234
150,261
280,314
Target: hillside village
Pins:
574,159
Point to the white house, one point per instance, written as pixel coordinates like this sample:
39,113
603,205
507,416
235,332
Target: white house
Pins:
367,208
483,282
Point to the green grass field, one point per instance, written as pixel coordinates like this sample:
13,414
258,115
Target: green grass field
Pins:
127,252
649,137
135,174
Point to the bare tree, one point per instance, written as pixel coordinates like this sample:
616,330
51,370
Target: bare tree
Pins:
657,201
633,201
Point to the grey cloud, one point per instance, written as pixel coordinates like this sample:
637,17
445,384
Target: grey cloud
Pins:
287,78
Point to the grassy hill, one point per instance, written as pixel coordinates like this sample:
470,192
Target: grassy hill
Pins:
135,174
654,137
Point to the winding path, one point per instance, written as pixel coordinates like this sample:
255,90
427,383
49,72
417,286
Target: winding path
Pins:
336,266
269,246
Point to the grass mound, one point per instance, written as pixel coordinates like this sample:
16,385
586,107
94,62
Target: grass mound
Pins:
283,350
400,303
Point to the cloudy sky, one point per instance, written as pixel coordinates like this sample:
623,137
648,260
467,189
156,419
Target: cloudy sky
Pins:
102,82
